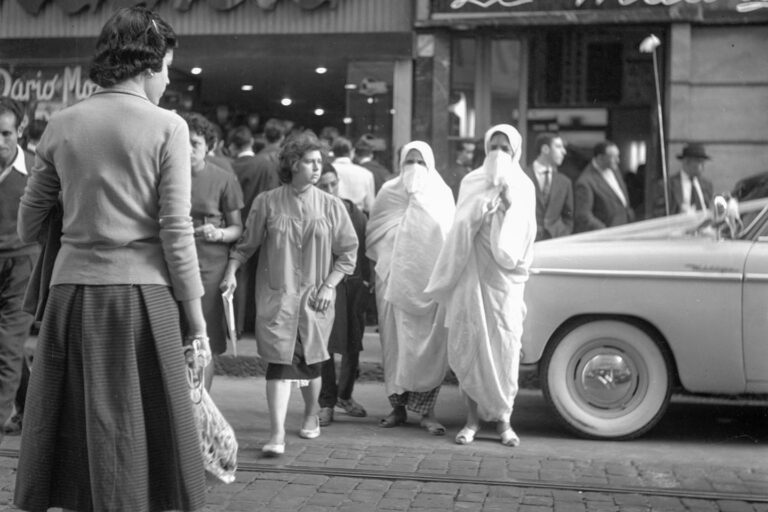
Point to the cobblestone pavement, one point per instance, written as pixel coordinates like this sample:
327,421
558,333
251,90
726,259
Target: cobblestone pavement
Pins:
268,491
357,466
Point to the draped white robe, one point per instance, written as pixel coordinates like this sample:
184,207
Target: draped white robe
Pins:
404,235
479,277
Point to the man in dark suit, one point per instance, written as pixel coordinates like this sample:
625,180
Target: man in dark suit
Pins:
688,189
600,195
554,193
364,156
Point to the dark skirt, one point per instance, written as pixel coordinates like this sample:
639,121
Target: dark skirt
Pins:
213,263
298,369
108,423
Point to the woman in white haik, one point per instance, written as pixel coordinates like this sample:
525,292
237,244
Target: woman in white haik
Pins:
479,277
409,221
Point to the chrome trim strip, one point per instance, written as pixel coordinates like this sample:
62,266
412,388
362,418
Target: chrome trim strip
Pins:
652,274
756,277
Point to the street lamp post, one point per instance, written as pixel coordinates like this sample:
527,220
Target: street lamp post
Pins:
649,45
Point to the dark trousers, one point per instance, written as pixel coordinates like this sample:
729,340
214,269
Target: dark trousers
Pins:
331,389
14,328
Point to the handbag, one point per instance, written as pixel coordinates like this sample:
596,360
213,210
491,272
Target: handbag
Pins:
218,444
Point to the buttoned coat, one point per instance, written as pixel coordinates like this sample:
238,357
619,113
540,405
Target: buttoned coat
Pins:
597,205
554,213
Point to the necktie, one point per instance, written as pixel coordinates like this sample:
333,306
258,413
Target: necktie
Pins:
699,203
547,182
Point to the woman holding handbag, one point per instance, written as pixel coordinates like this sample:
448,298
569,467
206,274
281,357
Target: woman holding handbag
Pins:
108,402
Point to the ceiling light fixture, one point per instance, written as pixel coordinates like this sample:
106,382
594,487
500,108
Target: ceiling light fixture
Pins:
319,111
246,87
286,102
321,70
196,70
350,87
347,120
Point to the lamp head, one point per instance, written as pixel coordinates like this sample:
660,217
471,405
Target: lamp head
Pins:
650,44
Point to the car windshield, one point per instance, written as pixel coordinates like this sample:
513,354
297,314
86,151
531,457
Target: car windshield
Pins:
697,224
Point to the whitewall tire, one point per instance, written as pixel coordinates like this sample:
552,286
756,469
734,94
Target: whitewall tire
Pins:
607,379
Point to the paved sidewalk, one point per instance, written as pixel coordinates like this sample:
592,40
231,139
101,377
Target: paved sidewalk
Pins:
356,465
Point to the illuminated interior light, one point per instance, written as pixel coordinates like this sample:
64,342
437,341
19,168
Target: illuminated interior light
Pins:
286,102
246,87
321,70
319,111
196,70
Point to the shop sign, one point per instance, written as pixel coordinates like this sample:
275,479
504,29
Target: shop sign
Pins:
52,88
543,6
78,6
370,87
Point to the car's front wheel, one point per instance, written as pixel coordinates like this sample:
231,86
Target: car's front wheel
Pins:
607,379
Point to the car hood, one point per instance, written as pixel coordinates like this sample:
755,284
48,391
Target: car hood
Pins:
670,243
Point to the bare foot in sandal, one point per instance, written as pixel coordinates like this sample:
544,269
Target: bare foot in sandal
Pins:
398,416
507,436
433,426
467,434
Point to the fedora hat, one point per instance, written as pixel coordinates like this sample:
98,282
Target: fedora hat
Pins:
694,150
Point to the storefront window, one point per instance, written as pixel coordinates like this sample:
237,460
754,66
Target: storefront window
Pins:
505,81
463,72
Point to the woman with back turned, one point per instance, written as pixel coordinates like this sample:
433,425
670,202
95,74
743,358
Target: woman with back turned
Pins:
109,422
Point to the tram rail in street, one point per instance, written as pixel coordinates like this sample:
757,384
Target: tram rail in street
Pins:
252,466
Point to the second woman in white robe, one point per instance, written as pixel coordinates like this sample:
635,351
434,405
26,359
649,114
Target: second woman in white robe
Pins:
479,277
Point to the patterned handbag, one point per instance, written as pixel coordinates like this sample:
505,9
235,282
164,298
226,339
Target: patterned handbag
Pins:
217,438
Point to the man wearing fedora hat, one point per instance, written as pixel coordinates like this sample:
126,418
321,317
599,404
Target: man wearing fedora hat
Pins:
688,189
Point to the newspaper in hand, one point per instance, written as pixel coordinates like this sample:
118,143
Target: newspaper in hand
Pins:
229,315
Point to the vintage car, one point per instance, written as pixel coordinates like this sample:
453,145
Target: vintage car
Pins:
619,318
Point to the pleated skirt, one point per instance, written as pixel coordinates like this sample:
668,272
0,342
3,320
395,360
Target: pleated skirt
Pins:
108,423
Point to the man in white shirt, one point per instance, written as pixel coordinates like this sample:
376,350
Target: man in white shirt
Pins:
600,195
16,262
688,190
355,181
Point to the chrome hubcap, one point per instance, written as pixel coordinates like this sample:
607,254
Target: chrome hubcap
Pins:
606,378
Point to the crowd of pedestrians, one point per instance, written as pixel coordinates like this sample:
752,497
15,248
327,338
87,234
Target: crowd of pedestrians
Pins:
155,216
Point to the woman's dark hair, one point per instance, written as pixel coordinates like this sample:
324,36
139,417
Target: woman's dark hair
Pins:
199,125
133,40
295,147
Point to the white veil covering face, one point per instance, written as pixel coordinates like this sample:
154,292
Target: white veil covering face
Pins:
497,163
419,207
479,196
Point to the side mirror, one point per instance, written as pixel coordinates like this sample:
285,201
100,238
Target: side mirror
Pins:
719,209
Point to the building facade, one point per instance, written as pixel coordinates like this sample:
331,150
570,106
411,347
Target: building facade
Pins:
575,67
340,63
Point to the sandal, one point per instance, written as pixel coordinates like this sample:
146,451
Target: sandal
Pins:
509,438
393,419
466,435
433,427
